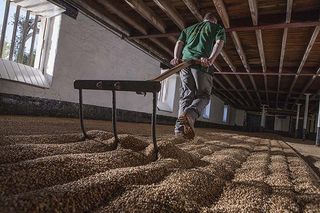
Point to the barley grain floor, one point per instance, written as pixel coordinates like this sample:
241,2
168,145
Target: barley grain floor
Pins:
45,167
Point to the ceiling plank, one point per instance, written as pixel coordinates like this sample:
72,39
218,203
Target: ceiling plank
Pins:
193,8
303,61
169,9
283,45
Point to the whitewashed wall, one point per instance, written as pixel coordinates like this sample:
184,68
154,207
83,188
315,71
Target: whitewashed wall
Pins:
88,51
281,124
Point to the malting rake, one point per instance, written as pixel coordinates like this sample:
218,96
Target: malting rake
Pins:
140,87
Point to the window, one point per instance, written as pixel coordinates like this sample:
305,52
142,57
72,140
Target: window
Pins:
206,111
28,37
20,40
225,113
167,93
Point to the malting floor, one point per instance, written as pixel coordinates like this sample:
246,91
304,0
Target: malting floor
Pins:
46,167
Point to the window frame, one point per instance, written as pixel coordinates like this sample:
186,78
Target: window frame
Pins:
34,50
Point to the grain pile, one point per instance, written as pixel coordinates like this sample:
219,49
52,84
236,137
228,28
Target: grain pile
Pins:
218,172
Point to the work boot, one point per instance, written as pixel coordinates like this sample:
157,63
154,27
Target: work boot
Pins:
178,135
188,126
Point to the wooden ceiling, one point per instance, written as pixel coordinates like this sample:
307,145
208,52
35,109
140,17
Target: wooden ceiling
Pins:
272,53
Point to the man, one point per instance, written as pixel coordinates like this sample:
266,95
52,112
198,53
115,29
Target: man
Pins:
202,41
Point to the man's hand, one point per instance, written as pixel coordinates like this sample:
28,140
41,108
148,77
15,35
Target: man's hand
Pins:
175,61
205,62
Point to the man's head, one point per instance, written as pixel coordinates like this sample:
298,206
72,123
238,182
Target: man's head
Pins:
210,17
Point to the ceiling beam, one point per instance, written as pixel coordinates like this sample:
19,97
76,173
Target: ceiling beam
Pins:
234,70
306,87
241,29
219,5
219,69
89,8
132,22
223,96
243,58
169,9
162,45
235,100
221,9
266,74
270,91
303,61
274,26
143,9
254,16
193,8
124,16
283,45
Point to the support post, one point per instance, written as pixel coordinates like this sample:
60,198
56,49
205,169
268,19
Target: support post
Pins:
263,118
318,127
297,121
305,117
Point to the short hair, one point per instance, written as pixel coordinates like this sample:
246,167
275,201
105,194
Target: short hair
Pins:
210,16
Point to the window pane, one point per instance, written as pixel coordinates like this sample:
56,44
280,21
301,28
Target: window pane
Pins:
225,113
8,34
2,7
19,34
206,111
28,39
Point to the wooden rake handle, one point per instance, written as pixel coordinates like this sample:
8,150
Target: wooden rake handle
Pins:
175,69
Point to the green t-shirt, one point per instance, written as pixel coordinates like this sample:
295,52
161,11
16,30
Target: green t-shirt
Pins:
199,40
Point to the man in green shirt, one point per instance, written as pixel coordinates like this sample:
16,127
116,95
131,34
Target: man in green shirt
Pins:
202,41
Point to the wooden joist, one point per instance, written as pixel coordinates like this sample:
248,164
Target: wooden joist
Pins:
274,26
283,45
254,16
169,9
148,14
307,86
133,23
124,16
231,95
243,58
219,69
234,70
193,8
90,8
221,9
303,61
225,20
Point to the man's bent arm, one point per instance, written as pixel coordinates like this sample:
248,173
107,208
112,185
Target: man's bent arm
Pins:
178,49
216,51
177,52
